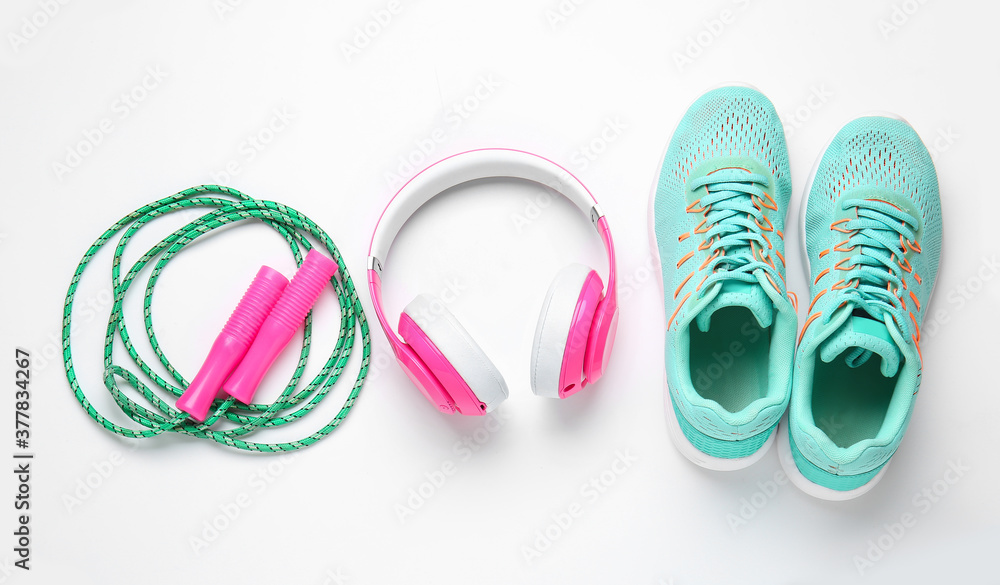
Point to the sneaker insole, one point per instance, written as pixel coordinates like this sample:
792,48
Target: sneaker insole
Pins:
850,404
729,363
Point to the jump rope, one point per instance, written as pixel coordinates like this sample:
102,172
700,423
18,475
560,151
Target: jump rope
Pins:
223,206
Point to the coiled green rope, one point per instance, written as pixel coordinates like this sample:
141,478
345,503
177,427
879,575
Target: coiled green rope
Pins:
225,206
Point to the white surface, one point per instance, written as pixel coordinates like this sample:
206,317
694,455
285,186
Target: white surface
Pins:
600,93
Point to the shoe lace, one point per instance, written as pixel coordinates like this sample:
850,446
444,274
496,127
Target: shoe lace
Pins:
874,279
733,209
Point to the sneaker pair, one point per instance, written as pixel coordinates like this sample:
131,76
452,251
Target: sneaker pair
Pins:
872,235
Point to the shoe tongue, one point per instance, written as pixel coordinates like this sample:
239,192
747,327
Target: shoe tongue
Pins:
735,293
857,339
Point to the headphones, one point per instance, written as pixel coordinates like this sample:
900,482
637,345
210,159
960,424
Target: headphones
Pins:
578,321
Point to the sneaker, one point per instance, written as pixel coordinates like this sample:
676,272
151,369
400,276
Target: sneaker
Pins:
717,215
872,232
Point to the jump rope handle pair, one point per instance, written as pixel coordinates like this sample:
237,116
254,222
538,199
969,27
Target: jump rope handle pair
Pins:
260,327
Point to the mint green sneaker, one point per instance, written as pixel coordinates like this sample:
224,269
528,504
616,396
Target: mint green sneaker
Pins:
717,213
872,231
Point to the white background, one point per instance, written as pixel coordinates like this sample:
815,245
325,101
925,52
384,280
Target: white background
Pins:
555,78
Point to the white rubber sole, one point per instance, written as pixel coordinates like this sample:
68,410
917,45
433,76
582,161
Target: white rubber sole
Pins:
677,437
784,447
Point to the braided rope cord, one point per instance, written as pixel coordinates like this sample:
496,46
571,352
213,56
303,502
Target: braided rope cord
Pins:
232,207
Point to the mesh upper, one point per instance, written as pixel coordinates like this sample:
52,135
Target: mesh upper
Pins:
729,121
885,153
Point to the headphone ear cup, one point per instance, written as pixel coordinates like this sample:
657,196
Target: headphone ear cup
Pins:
462,367
560,345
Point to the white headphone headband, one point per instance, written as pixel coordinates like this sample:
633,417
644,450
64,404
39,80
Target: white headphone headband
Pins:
470,166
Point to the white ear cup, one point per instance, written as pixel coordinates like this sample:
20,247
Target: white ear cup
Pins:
459,348
553,329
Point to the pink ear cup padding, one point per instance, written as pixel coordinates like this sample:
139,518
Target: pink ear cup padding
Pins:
443,344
